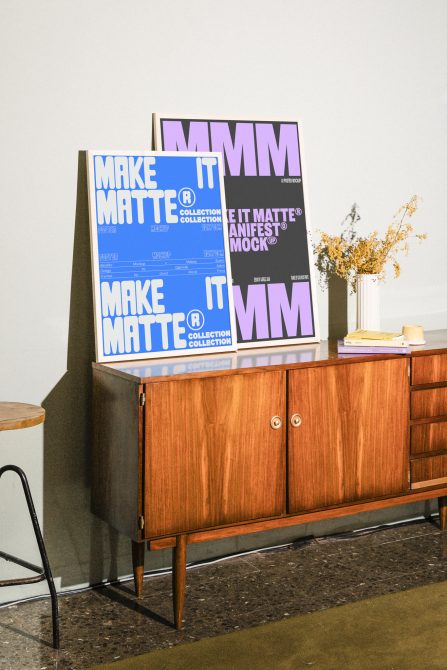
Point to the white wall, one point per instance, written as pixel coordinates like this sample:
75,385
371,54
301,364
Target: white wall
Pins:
368,80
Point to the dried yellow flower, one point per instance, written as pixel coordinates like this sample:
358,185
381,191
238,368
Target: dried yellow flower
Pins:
349,254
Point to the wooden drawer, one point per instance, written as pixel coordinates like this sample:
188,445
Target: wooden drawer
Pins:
428,437
429,471
429,369
428,403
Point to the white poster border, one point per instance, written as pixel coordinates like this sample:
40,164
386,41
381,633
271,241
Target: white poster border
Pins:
99,345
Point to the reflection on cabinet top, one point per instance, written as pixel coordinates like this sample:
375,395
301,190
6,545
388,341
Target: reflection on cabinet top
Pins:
297,356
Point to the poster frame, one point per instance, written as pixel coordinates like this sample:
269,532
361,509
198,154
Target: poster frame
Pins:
156,144
91,190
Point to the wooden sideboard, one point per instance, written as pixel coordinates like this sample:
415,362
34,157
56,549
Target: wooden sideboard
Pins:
194,449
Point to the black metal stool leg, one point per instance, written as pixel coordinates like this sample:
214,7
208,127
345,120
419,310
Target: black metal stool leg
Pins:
42,550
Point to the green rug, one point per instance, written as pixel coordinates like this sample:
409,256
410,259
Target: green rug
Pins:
399,631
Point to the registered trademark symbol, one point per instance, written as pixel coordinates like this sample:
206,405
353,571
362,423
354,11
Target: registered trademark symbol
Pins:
186,197
195,319
298,211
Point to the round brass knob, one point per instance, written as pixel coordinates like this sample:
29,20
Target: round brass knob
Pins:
275,422
296,420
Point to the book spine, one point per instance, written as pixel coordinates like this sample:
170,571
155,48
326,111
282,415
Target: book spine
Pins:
375,343
346,349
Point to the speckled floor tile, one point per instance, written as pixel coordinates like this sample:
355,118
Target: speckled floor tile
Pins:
105,624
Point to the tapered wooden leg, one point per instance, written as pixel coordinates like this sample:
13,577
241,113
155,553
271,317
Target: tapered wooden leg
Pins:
138,566
179,579
442,503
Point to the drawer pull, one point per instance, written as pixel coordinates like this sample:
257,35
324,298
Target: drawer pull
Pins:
275,422
296,420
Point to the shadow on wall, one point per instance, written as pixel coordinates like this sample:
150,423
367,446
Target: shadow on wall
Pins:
337,307
79,544
82,549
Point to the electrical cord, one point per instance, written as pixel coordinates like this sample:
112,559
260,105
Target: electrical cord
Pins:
300,543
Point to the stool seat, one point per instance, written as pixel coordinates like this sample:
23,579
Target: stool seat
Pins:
15,415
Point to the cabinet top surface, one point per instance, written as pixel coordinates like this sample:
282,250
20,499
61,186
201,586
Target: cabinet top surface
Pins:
303,355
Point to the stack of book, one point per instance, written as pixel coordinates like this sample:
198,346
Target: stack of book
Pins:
373,342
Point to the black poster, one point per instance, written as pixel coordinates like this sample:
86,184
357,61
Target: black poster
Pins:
273,283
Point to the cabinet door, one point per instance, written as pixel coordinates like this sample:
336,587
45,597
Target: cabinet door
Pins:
353,441
212,457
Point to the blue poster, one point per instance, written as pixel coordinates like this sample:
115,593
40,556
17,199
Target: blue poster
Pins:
161,272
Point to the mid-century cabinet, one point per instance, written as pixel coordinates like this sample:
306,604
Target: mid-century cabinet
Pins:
189,450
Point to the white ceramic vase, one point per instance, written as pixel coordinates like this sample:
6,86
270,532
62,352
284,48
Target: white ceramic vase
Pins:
368,302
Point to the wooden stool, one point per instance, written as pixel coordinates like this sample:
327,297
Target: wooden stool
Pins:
15,415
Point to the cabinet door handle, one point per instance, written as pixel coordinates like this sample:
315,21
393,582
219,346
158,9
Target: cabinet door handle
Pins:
296,420
275,422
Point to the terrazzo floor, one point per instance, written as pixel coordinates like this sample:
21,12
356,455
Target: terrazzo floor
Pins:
108,623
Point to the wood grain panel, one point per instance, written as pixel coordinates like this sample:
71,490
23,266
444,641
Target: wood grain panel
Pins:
116,466
429,402
425,471
212,457
429,369
353,442
428,437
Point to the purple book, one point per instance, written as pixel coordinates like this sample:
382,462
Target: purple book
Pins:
351,349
